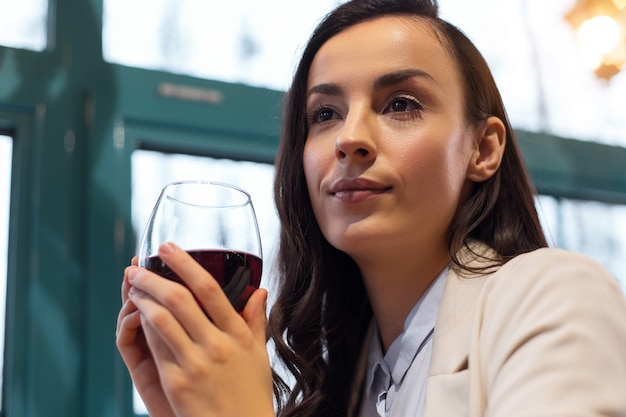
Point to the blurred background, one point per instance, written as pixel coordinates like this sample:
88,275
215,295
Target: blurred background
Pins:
102,102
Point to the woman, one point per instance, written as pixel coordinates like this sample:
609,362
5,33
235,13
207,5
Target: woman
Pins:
414,276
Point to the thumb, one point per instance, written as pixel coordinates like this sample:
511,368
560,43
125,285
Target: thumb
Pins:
255,315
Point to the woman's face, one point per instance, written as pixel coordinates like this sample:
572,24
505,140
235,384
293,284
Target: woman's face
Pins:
388,147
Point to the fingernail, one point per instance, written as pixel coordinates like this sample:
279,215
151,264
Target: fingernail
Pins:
167,248
132,273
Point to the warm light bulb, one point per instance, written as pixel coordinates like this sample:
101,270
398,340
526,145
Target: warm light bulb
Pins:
619,4
598,36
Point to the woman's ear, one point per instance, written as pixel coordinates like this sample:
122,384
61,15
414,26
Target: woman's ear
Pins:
488,150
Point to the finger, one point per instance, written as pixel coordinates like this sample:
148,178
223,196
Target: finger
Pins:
128,339
127,308
161,352
202,284
176,299
255,314
125,284
166,337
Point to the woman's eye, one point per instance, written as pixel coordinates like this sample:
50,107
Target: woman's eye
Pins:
325,115
401,104
322,114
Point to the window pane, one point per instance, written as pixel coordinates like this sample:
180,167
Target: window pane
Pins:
23,24
245,41
152,170
257,43
6,152
536,81
588,227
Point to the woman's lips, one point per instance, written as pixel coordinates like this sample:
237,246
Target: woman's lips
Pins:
353,196
357,190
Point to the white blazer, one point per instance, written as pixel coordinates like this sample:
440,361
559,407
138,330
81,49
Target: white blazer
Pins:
542,336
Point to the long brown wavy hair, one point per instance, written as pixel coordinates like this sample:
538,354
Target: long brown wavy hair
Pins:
321,315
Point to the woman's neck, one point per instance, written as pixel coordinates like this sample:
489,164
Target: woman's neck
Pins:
395,282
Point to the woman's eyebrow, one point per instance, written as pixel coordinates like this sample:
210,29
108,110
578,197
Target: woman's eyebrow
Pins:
396,77
384,80
325,89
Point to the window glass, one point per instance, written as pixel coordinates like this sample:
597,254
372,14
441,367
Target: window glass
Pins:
6,152
257,43
153,170
588,227
244,41
536,81
23,24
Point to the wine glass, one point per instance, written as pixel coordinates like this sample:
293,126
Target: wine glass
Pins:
216,224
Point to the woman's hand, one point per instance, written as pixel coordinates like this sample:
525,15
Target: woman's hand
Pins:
183,363
132,345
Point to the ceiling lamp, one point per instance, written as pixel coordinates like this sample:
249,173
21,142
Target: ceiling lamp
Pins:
601,29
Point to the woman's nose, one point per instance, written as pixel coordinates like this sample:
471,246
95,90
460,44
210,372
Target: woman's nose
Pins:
356,138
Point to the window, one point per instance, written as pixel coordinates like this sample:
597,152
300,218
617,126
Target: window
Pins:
246,41
536,81
588,227
23,24
6,152
152,170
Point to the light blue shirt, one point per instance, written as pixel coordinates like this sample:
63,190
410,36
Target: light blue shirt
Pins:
395,383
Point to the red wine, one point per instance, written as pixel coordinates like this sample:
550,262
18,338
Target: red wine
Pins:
238,273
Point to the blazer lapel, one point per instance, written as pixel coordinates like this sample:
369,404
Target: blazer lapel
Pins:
451,340
449,389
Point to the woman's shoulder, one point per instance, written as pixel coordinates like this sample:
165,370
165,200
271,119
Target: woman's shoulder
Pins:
556,273
556,262
549,319
554,256
544,266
